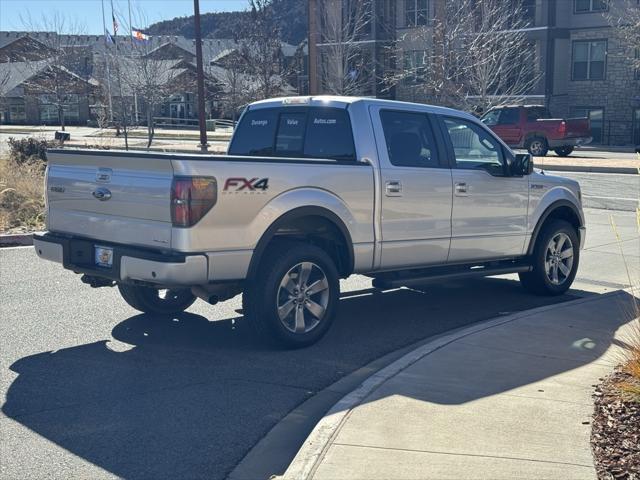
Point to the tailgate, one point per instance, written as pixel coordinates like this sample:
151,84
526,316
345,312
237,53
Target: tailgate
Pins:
115,197
578,127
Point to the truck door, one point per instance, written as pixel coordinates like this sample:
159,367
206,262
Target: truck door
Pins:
489,218
508,126
416,189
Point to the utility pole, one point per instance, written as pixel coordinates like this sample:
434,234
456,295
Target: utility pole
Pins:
135,91
106,62
313,49
200,74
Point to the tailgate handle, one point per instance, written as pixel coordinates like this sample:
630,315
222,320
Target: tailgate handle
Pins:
102,194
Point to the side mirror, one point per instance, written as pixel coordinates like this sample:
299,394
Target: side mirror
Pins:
522,165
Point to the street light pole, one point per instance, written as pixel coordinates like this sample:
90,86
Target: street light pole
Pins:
200,74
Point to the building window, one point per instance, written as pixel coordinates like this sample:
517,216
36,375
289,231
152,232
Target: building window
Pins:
416,12
589,60
415,66
637,63
17,113
590,6
636,127
596,119
49,108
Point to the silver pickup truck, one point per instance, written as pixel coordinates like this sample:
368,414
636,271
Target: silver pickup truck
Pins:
313,189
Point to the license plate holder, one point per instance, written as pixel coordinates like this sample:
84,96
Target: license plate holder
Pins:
103,256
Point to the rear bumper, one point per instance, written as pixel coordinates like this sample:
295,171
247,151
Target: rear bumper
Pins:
129,263
570,142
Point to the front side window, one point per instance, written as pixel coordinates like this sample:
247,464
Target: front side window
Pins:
491,118
589,6
409,139
589,60
312,132
474,148
416,12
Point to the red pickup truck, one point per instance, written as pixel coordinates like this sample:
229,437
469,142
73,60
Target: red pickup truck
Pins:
533,128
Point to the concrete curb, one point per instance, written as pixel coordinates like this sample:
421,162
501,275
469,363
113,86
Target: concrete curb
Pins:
19,239
588,169
314,448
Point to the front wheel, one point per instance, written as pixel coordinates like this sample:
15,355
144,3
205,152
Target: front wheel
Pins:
157,301
555,260
563,151
292,300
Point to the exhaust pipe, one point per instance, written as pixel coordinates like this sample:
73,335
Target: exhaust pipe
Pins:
203,294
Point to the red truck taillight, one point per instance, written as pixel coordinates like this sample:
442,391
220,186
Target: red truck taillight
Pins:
562,129
191,199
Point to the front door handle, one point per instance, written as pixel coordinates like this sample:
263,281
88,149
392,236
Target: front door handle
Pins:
393,188
461,189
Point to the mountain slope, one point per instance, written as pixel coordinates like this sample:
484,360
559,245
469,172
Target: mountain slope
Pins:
291,16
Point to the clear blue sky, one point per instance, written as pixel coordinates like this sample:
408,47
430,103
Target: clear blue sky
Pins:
88,13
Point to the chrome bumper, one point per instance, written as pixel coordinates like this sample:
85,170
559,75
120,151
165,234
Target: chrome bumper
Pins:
129,264
582,233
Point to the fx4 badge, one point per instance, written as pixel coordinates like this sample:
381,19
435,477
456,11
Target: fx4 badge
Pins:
236,185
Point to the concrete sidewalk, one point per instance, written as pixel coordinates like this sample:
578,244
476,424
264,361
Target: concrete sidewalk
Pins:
506,399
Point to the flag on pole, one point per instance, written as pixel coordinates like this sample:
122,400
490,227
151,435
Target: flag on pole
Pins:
139,35
108,36
115,23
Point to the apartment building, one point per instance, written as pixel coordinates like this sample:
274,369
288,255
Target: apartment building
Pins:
582,65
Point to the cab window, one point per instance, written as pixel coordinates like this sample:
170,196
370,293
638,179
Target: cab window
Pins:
409,139
473,147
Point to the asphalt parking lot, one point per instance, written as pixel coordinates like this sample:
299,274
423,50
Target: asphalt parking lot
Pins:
92,389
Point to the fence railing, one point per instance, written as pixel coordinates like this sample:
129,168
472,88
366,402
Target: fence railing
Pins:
618,132
192,123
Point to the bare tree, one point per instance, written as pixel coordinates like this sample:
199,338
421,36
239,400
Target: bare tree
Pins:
237,87
624,16
260,47
476,54
345,61
59,74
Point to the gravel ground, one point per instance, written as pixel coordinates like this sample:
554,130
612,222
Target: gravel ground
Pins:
615,436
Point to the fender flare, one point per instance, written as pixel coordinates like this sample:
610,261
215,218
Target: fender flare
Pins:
296,213
543,218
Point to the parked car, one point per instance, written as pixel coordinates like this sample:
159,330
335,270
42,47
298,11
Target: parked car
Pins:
532,127
313,189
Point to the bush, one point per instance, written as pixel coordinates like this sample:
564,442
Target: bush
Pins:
24,150
21,195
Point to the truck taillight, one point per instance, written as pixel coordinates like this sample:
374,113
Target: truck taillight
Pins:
562,129
191,199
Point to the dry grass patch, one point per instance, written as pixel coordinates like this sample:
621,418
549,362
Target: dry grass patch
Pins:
21,195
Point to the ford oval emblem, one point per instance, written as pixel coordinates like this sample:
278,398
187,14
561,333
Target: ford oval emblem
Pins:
102,194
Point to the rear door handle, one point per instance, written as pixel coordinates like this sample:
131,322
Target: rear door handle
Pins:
461,189
393,188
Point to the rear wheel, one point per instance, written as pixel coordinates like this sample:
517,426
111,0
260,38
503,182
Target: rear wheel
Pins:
292,300
563,151
537,146
157,301
555,259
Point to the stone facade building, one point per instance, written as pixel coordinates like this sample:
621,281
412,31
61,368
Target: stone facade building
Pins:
583,66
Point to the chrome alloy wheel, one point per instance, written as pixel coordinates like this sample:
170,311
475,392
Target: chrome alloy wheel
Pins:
303,297
558,261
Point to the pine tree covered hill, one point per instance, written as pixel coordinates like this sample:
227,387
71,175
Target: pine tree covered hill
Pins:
291,16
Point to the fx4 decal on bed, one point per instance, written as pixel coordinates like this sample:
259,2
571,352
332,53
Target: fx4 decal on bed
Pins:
245,184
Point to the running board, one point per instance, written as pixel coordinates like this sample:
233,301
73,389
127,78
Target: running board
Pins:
479,271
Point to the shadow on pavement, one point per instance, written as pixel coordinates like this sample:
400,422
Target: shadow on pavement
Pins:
187,398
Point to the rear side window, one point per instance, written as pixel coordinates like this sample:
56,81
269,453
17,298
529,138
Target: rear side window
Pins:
409,139
537,113
312,132
255,134
509,116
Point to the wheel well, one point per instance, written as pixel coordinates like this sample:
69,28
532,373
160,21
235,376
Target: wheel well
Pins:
559,212
317,229
532,135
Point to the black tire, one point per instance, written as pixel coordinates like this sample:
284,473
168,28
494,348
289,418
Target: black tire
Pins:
265,293
151,300
537,146
538,280
563,151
